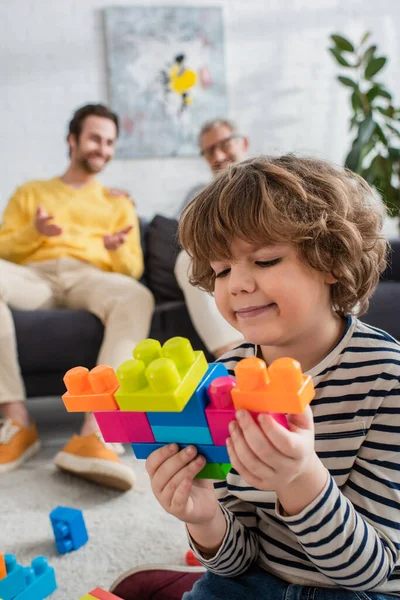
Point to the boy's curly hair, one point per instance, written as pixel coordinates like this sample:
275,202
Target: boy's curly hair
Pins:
328,213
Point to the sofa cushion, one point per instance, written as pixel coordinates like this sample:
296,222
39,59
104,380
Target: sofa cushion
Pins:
161,250
56,340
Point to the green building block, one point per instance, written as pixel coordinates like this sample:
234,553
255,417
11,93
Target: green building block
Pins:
214,471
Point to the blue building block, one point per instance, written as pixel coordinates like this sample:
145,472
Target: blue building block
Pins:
14,582
212,454
40,580
193,413
183,434
144,450
69,528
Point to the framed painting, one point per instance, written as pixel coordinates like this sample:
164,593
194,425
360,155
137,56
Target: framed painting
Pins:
166,76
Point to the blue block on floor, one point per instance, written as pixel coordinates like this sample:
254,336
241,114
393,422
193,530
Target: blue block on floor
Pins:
14,582
193,413
182,435
40,580
213,454
69,528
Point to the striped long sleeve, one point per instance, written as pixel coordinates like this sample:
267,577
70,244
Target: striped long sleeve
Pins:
349,536
239,548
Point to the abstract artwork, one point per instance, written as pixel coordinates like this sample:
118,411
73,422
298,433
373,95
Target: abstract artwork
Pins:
166,76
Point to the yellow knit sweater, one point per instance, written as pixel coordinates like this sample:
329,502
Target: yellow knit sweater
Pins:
85,214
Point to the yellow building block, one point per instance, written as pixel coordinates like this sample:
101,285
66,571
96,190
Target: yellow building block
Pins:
160,378
88,597
280,388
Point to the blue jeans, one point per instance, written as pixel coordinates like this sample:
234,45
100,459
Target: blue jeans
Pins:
257,584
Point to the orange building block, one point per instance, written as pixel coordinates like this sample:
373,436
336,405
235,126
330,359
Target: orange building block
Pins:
90,391
3,571
280,388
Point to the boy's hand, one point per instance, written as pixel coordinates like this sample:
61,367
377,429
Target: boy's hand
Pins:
113,241
268,456
172,475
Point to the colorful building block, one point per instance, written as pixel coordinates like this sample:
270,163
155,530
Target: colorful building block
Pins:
90,391
220,412
3,571
181,434
282,388
100,594
160,379
193,413
213,454
40,580
124,427
69,528
214,471
169,394
14,582
142,451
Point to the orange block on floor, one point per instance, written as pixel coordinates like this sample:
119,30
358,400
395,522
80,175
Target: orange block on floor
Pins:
3,571
90,391
280,388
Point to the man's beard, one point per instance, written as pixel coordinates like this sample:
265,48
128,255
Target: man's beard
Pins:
87,166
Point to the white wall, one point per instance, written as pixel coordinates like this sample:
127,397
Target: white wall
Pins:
281,82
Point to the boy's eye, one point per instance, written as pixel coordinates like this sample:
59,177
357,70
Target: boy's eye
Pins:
268,263
222,273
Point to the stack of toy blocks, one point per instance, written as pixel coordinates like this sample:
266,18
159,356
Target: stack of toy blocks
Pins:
170,394
26,583
69,528
99,594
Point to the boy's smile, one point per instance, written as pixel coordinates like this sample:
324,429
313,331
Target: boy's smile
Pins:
277,301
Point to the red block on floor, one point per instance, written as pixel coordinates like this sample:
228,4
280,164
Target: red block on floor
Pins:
103,595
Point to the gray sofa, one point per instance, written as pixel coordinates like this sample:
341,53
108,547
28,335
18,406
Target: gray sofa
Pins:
52,341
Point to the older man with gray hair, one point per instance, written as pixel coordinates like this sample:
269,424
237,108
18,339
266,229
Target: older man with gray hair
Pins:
221,145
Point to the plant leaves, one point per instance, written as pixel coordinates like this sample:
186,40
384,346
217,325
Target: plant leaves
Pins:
347,81
340,59
342,43
366,130
388,112
393,129
374,66
380,134
368,54
365,37
356,101
394,153
377,91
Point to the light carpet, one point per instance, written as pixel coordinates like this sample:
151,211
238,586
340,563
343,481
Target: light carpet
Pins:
125,529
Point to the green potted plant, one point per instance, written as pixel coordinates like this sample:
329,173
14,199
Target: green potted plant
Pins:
375,121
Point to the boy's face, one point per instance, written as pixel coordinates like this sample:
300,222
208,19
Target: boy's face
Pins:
270,295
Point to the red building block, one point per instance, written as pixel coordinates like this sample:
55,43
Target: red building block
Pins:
103,595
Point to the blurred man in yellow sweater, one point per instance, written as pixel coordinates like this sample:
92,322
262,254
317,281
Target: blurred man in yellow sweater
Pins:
69,242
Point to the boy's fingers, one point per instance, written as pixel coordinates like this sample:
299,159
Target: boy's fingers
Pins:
170,467
303,421
156,458
189,472
181,496
240,467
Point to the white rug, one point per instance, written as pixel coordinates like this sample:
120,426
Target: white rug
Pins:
125,529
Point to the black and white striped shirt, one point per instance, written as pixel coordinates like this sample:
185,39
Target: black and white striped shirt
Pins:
349,536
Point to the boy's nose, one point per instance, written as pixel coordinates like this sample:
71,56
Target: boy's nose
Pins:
241,284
